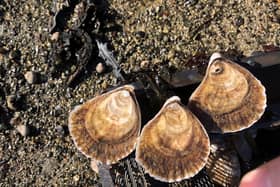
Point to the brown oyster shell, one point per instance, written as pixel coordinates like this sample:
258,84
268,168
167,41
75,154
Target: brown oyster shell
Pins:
106,127
173,145
229,98
223,166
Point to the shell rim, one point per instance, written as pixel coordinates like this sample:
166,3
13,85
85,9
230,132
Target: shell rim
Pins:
187,176
130,88
213,58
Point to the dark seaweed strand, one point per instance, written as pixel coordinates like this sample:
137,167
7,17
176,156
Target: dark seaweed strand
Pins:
83,54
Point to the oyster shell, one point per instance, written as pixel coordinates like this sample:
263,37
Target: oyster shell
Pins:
229,97
173,145
106,127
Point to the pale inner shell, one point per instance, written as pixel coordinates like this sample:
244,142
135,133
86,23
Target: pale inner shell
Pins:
173,130
173,145
230,86
113,118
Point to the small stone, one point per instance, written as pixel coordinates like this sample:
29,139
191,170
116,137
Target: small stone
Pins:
3,50
15,55
190,2
33,77
24,130
165,29
104,85
140,34
76,178
1,57
100,68
165,38
171,54
156,61
144,64
60,130
55,36
15,121
239,21
57,111
13,102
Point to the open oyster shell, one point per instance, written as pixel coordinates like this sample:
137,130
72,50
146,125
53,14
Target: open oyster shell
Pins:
229,98
173,145
106,127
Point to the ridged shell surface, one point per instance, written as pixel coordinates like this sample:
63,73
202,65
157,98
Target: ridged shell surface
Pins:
173,145
106,127
229,98
223,165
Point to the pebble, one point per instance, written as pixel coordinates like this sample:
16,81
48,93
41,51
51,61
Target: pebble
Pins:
171,54
239,21
15,121
100,68
165,38
33,77
190,2
57,111
15,55
3,50
13,102
144,64
55,36
1,57
76,178
60,130
2,53
24,130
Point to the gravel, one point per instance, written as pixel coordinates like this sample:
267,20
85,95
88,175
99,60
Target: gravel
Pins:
153,34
